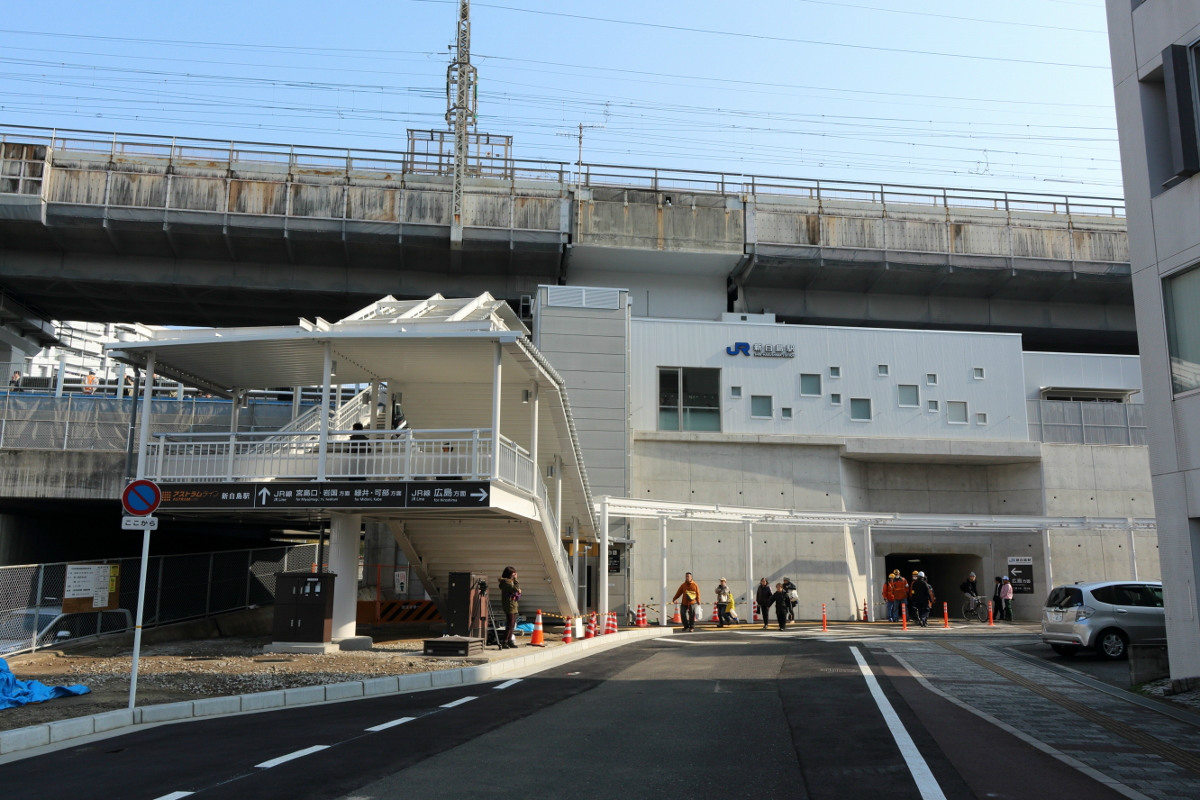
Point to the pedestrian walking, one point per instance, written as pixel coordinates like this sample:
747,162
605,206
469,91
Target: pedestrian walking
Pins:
510,595
922,599
783,605
793,598
889,596
900,592
765,598
689,591
1006,596
14,383
723,604
997,603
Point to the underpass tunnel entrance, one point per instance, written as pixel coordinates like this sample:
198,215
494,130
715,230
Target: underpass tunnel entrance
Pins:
944,571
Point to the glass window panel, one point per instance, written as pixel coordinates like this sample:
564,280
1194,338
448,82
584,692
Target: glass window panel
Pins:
956,411
668,399
810,385
1181,298
860,409
909,395
760,405
835,372
883,369
835,399
786,412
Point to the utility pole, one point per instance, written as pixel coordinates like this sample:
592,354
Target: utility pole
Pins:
460,114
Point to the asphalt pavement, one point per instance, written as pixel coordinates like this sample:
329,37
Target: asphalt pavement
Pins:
857,710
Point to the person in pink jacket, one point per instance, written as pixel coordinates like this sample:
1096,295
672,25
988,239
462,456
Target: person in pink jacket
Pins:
1006,595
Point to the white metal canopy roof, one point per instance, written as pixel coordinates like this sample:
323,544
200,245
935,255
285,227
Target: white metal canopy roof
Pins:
438,353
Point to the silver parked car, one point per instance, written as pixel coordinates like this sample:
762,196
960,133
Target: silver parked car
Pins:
1106,616
29,628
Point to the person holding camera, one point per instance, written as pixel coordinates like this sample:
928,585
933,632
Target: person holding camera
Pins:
510,594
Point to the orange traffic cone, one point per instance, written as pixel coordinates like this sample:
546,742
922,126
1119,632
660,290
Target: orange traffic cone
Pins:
715,617
641,617
590,633
566,639
538,639
676,620
610,626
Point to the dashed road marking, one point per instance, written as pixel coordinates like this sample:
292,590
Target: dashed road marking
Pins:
391,724
458,702
308,751
507,684
174,796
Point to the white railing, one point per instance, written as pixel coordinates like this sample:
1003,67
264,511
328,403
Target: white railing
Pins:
450,454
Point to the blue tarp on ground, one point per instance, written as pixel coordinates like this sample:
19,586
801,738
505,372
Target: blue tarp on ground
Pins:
14,692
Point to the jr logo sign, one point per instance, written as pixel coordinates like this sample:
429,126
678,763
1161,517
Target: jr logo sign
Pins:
739,347
760,350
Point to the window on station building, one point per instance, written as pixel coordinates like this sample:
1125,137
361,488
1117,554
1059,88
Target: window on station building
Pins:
909,395
956,412
689,399
883,370
981,418
810,384
785,413
835,372
977,373
931,379
735,392
1181,299
761,406
932,406
860,409
835,399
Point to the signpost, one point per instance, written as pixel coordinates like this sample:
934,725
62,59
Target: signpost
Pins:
1020,574
140,499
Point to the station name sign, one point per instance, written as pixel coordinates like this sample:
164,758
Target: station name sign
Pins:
284,496
761,350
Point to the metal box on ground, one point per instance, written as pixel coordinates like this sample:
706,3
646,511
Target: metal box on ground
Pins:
454,646
467,604
303,607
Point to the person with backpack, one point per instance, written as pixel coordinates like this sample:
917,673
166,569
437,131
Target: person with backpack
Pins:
922,599
793,598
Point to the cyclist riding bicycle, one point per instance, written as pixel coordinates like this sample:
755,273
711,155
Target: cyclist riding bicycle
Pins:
970,588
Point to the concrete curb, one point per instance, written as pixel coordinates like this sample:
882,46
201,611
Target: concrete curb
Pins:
55,734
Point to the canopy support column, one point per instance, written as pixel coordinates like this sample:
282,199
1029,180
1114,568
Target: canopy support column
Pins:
323,430
602,561
751,586
496,376
664,619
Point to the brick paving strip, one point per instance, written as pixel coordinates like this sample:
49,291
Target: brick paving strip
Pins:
1183,758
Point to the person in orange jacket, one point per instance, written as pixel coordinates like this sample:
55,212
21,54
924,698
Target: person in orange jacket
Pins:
689,590
889,597
899,594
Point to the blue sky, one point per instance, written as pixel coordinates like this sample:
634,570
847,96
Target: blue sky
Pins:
1013,95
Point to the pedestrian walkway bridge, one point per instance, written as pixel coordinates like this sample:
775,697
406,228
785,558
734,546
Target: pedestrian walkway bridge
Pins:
427,457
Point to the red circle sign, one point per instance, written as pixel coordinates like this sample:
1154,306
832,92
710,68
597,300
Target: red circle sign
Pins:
141,497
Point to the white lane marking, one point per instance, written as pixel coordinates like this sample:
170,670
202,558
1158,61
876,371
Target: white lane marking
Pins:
926,783
391,724
274,762
507,684
458,702
174,796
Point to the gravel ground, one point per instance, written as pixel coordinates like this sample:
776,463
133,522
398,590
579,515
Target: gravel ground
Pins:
188,670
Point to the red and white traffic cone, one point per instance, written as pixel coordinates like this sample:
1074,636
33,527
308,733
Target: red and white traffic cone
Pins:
946,614
641,617
590,633
715,617
610,626
539,637
566,639
676,620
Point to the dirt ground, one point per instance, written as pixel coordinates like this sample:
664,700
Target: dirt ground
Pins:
187,670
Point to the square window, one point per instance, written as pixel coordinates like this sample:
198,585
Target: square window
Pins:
931,379
810,384
910,396
1181,298
860,409
735,391
932,405
956,412
883,370
835,372
760,406
977,373
981,418
835,399
689,399
786,413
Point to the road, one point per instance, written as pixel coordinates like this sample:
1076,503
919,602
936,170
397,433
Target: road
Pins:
726,715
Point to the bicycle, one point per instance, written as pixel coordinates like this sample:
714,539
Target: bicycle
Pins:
975,607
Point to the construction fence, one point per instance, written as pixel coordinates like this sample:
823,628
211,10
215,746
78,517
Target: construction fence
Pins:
44,604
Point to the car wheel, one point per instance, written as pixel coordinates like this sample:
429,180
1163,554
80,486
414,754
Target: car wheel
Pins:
1064,649
1112,644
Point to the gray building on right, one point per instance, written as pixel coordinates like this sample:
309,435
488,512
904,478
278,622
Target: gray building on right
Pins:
1155,48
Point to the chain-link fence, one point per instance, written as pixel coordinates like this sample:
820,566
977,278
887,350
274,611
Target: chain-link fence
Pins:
40,603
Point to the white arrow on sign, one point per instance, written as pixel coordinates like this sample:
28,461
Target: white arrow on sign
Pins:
264,495
480,495
1016,571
